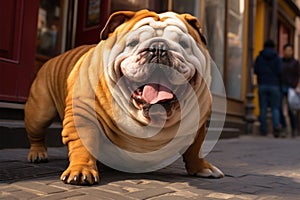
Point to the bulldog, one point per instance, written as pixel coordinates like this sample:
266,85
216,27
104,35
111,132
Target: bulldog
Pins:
135,100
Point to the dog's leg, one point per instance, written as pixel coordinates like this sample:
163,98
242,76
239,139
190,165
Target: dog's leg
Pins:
82,169
39,113
196,165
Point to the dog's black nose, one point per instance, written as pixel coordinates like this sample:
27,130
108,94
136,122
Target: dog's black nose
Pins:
159,49
159,53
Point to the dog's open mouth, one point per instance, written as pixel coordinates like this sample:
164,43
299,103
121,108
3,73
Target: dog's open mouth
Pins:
158,90
144,97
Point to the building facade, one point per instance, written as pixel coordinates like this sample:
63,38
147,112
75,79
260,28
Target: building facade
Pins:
41,29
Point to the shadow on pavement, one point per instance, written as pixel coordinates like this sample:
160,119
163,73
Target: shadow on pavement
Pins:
174,175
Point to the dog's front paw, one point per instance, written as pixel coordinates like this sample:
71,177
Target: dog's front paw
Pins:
37,154
202,168
80,174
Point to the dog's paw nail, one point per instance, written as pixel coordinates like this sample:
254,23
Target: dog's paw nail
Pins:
96,180
85,181
64,178
74,180
84,177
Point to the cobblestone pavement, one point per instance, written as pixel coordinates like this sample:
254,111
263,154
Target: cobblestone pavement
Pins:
255,168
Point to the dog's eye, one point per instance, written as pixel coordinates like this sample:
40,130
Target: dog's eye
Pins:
184,44
133,43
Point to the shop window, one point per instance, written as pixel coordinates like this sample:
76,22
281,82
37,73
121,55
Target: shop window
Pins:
214,26
188,6
93,13
50,29
235,48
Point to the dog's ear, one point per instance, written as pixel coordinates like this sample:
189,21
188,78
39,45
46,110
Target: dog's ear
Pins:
115,20
194,22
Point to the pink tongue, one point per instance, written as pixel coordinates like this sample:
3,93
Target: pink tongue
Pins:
154,93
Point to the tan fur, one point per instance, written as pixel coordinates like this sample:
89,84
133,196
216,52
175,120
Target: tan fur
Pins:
52,93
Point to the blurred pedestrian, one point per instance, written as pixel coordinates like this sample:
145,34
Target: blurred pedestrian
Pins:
289,79
268,67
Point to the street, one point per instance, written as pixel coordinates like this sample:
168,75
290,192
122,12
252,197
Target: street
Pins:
255,168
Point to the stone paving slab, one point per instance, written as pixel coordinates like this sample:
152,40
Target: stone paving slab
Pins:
255,167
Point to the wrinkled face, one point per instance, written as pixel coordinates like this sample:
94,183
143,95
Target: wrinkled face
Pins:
158,65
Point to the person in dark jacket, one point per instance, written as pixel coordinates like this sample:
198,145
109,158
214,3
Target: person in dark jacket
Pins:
268,67
290,78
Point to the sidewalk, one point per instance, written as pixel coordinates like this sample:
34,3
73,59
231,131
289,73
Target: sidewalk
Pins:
255,168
